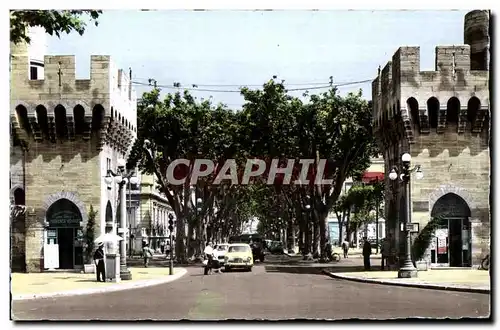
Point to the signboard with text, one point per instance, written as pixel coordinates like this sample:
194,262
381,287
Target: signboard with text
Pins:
64,219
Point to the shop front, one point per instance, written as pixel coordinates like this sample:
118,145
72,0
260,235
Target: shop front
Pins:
63,246
451,244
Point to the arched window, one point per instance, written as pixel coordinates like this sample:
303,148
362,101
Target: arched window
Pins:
61,123
473,107
41,116
433,110
412,106
452,110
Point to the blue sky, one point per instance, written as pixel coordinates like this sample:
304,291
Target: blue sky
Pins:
249,47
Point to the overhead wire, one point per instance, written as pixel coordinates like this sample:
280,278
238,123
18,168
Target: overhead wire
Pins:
179,87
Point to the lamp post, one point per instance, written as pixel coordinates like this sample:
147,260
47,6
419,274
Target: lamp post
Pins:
407,270
134,180
170,229
197,212
121,177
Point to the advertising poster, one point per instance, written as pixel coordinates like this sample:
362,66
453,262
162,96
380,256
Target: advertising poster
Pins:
441,246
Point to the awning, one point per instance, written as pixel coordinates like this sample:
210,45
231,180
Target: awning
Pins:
372,177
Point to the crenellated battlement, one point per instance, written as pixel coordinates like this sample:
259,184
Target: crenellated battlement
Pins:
106,86
106,103
401,80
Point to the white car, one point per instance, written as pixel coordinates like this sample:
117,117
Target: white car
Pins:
220,252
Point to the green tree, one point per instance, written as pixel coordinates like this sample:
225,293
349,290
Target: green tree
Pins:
180,127
329,127
52,21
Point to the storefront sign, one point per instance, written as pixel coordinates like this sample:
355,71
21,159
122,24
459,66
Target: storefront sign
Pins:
65,219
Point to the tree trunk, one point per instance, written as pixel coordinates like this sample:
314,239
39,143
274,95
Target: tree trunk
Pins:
356,236
316,237
180,251
323,232
290,234
301,237
341,227
189,242
348,227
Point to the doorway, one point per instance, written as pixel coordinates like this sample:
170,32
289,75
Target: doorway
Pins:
455,242
451,245
65,237
64,217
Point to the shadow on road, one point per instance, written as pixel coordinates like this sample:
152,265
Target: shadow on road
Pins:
349,269
316,270
293,270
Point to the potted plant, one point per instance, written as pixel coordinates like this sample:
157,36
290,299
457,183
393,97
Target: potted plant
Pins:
422,242
89,237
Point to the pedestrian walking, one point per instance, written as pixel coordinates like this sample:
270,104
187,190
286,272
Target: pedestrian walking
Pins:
345,248
367,251
209,258
386,252
99,262
147,254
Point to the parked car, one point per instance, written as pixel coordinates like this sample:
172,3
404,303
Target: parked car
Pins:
238,255
220,251
256,243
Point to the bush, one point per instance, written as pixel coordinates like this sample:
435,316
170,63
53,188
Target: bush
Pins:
423,240
90,235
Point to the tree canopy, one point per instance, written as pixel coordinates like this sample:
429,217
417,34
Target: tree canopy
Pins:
331,130
52,21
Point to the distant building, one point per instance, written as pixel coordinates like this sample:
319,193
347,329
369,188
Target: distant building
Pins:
149,215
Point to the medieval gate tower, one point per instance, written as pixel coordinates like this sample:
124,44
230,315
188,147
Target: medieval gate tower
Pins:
441,118
65,134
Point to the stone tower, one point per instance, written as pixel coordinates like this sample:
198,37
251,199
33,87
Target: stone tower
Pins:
441,118
65,135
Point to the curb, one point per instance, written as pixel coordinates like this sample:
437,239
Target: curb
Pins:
410,285
111,288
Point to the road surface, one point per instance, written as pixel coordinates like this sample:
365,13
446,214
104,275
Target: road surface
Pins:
268,292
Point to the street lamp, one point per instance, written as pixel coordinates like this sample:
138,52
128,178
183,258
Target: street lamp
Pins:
121,177
170,229
134,180
407,270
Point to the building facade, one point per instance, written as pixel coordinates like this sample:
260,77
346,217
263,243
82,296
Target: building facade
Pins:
441,118
65,135
149,216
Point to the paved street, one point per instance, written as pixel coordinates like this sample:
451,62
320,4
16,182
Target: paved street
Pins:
268,292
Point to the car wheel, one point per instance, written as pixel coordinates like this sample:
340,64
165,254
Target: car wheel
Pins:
249,269
227,269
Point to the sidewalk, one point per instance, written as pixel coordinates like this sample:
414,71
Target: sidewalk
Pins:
51,284
466,280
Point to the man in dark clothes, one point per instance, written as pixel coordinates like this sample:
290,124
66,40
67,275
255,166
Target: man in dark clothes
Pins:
99,260
367,251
